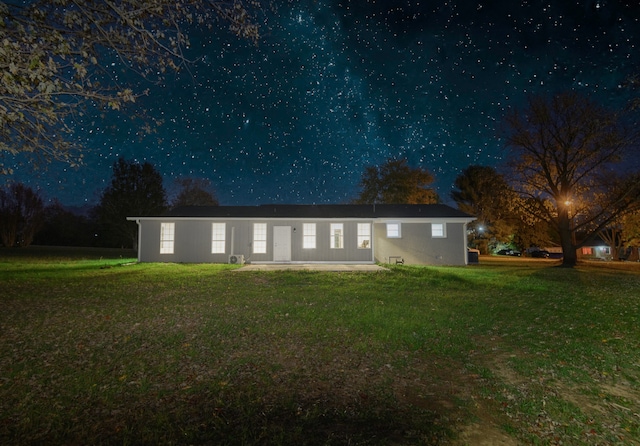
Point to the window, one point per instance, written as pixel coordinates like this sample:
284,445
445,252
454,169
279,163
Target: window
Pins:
309,236
364,235
337,236
438,230
393,230
167,236
587,251
218,233
260,238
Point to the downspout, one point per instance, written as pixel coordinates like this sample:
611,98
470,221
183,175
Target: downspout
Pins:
233,231
466,242
373,254
139,239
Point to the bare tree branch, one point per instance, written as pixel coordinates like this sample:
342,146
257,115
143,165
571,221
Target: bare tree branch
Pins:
564,154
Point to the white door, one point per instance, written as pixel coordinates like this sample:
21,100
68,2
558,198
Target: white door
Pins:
282,243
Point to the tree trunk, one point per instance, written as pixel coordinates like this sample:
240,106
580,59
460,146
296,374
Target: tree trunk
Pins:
569,256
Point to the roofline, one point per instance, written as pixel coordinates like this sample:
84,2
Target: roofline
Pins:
377,212
169,218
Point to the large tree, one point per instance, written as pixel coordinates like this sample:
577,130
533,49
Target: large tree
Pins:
21,215
566,159
483,192
194,192
395,182
53,55
135,190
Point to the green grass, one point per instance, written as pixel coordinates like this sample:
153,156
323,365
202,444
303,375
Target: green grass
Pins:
96,349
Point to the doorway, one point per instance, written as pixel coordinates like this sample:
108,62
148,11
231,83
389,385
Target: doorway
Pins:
282,243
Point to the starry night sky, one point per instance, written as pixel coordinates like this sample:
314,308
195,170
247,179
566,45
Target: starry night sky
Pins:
336,85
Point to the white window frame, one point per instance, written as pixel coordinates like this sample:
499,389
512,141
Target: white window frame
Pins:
336,236
438,230
218,238
394,229
259,238
364,235
309,236
167,237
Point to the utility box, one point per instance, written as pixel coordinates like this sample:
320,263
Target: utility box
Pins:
473,255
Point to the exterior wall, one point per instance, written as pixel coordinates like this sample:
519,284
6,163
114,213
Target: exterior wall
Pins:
416,246
594,253
192,241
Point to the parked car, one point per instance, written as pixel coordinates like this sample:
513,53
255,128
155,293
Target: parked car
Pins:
509,252
540,254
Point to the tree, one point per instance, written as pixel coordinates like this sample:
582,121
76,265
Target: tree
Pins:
135,190
631,232
54,55
195,192
564,154
62,227
529,229
612,236
394,182
622,234
21,215
631,228
483,192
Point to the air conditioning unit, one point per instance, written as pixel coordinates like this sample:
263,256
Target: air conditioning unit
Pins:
236,259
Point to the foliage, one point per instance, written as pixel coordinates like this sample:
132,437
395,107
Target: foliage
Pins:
21,215
622,235
564,150
529,229
54,55
195,192
484,193
62,227
395,182
103,351
633,83
631,228
135,190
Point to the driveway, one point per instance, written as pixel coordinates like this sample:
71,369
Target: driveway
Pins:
342,267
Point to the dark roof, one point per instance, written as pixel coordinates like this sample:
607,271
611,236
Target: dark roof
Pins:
322,211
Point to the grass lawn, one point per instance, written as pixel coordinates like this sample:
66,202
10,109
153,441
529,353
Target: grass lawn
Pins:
96,349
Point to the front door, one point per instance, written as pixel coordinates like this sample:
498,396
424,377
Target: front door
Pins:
282,243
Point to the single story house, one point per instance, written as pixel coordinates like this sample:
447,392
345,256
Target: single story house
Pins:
595,251
600,249
433,234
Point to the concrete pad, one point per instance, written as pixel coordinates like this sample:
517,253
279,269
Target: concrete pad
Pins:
341,267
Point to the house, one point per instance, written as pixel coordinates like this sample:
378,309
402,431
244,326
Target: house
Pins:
596,249
599,249
433,234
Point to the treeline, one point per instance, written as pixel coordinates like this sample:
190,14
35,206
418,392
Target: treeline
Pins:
568,178
135,190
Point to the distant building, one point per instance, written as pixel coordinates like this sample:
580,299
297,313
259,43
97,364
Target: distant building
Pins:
596,249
